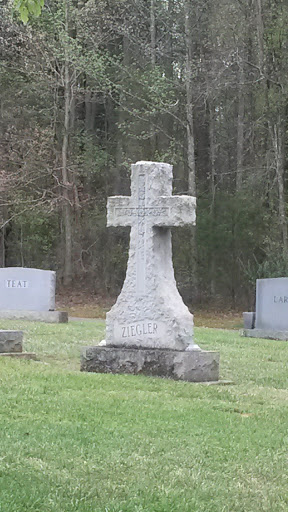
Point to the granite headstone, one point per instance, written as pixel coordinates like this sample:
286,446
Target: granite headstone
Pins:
271,318
150,324
272,304
29,293
27,288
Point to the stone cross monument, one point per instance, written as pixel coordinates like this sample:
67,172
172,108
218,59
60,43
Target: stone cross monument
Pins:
149,311
149,329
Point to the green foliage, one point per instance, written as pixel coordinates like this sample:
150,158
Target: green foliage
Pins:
32,240
28,9
148,96
127,101
228,237
93,160
274,265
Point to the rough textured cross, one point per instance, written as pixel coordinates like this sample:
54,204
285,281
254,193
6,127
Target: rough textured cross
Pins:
149,311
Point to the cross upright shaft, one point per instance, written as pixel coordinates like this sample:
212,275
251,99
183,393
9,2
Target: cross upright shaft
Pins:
149,311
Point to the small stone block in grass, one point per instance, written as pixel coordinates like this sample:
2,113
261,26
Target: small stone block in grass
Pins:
11,341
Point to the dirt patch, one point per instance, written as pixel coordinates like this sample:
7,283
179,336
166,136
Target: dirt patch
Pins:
218,319
84,305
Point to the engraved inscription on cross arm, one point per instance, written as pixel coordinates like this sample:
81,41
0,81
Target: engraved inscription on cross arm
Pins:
166,211
152,211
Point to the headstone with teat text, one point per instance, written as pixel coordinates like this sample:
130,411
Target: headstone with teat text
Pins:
29,293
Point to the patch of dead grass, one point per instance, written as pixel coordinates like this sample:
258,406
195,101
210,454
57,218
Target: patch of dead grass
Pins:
83,305
218,320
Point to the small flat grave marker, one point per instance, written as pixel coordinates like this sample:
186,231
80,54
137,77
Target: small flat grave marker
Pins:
11,345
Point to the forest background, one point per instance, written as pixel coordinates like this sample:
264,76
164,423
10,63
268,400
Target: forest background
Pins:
90,87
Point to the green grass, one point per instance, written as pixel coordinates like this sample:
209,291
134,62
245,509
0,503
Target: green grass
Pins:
72,441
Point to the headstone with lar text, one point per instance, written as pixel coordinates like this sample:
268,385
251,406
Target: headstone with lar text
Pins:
271,316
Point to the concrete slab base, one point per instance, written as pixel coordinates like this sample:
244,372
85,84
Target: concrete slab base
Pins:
219,383
191,366
20,355
263,333
11,341
36,316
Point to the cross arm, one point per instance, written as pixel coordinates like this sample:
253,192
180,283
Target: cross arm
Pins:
119,211
180,210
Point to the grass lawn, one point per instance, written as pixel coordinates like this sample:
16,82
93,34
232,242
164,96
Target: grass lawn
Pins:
72,441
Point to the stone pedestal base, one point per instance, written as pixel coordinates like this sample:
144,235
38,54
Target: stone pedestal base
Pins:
58,317
192,366
263,333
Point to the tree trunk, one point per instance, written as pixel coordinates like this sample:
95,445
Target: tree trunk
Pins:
213,190
240,126
190,143
88,111
2,247
66,185
260,34
2,235
189,102
278,139
121,153
153,63
153,32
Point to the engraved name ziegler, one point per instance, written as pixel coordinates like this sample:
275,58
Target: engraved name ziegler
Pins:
140,329
280,300
16,283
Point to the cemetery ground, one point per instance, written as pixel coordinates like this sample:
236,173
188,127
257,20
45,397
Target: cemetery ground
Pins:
83,305
72,441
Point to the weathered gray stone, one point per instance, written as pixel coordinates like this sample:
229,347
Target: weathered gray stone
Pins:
36,316
28,289
149,311
29,294
20,355
11,341
192,366
272,304
11,345
249,320
150,330
271,320
265,333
